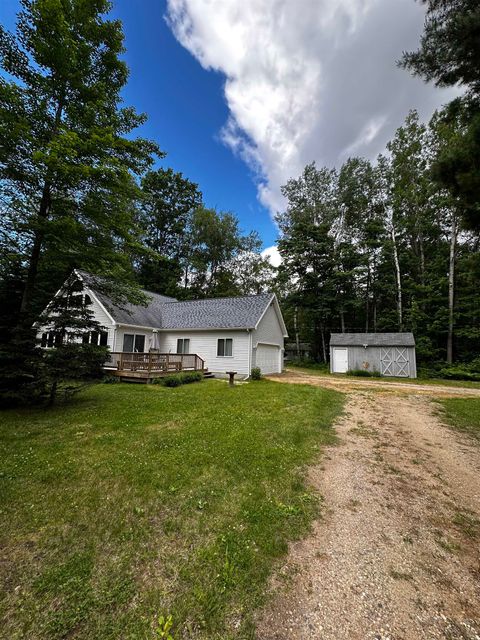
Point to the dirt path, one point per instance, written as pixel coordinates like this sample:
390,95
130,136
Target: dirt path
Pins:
349,384
396,554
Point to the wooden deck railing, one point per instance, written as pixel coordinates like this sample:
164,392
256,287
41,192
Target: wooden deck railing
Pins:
161,362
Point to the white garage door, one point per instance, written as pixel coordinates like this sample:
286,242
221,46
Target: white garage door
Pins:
268,358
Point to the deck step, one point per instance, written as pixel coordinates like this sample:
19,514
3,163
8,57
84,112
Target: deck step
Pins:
207,374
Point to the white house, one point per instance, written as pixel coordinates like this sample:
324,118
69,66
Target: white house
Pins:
227,333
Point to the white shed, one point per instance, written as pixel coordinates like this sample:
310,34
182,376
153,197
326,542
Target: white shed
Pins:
390,354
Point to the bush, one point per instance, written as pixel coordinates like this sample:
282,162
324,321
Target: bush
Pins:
363,373
256,373
459,373
177,379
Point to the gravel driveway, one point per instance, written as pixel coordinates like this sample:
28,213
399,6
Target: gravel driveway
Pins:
396,553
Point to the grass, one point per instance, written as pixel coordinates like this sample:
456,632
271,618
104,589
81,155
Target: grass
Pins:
463,414
373,379
136,502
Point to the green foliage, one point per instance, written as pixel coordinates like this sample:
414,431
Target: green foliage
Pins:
363,373
449,54
177,379
256,373
163,628
132,501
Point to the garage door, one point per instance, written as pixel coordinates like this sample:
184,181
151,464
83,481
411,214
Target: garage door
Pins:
268,358
395,362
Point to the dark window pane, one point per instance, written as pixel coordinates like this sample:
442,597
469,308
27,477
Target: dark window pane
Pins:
86,338
128,342
139,344
228,346
50,339
44,339
179,345
186,345
103,339
221,347
94,337
88,300
58,339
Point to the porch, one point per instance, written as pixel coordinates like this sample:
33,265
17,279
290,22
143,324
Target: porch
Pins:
143,367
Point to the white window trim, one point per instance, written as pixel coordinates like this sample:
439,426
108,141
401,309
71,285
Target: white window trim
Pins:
218,356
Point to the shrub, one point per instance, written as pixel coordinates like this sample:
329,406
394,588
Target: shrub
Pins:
177,379
459,373
363,373
256,373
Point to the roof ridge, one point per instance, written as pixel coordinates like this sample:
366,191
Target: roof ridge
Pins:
253,295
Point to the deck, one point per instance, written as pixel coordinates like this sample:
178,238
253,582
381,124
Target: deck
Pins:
144,367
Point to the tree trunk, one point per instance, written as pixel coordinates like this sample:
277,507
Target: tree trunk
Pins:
43,213
295,328
367,305
53,394
398,279
451,289
342,319
36,251
324,349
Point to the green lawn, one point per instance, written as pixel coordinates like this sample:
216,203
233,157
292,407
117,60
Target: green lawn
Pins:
435,381
138,501
463,414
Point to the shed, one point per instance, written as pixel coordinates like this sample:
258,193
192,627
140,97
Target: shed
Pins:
391,354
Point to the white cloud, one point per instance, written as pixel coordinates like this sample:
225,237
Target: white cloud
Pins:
273,255
306,79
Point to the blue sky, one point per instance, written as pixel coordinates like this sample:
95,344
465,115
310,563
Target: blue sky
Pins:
242,94
186,111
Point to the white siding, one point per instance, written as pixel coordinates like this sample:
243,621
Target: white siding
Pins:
204,343
101,317
268,332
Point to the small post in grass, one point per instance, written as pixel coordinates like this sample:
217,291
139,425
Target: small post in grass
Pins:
232,375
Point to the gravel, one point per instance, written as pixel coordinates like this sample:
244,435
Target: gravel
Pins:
388,559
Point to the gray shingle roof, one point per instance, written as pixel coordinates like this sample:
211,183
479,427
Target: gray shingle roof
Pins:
216,313
372,339
163,312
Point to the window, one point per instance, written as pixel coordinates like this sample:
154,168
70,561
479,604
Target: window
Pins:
183,345
225,347
96,338
133,342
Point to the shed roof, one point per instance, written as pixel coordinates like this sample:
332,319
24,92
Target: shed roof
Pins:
372,339
162,312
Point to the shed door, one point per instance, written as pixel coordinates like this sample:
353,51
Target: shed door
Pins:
340,360
268,358
394,362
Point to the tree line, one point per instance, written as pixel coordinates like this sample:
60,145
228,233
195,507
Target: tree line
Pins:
381,247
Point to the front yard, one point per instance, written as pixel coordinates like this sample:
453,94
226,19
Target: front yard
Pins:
135,502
